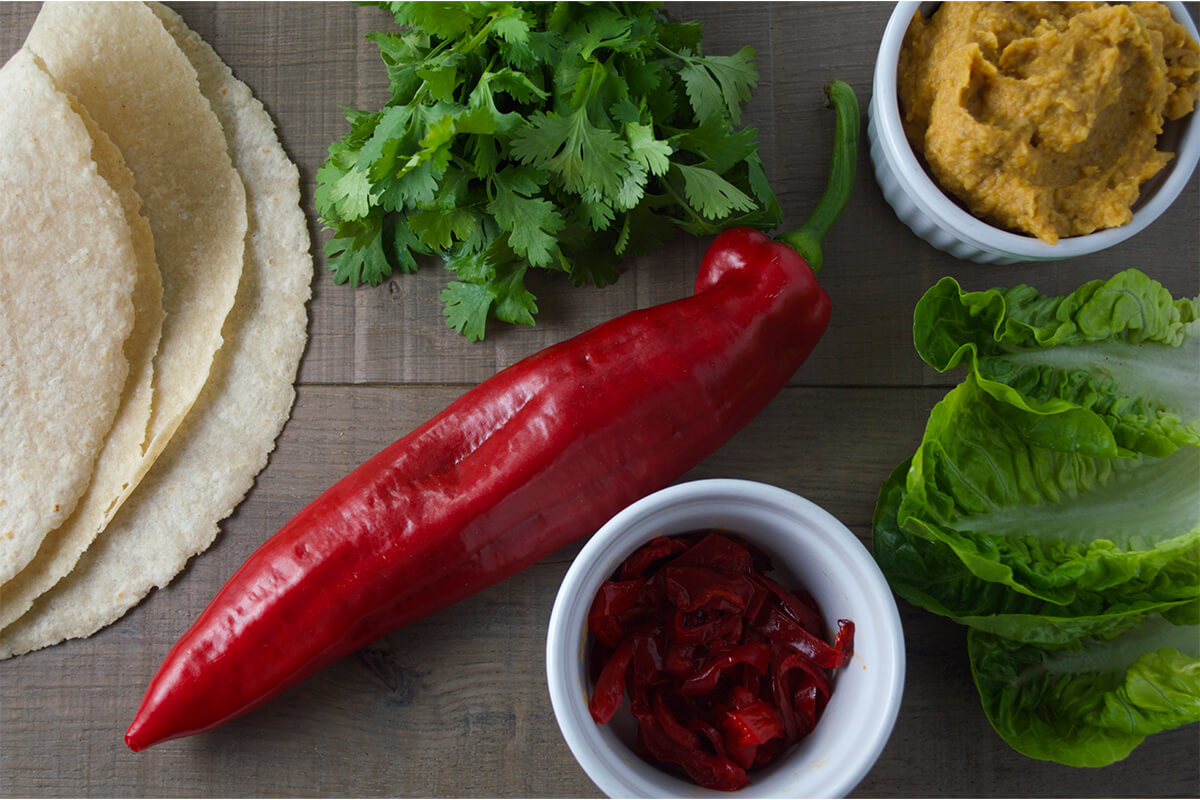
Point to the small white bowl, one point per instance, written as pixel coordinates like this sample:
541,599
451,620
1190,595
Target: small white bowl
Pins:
809,548
935,217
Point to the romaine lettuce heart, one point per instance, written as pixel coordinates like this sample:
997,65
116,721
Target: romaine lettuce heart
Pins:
1053,507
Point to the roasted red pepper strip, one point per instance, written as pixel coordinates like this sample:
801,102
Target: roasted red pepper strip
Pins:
718,552
803,612
710,734
756,654
614,599
753,724
694,588
610,687
779,627
653,550
537,456
815,675
843,643
680,659
741,754
707,769
648,645
670,725
716,626
809,702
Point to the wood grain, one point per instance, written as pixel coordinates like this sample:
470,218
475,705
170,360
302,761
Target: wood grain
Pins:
456,705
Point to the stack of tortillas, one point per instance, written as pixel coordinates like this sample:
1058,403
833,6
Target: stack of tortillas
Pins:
154,273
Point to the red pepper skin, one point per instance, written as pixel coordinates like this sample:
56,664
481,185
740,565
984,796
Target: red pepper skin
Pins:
754,724
610,686
539,455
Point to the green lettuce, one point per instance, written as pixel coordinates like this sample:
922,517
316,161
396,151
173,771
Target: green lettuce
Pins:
1090,702
1065,527
1053,507
928,573
1116,363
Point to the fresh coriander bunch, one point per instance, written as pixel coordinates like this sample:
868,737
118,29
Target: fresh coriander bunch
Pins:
563,136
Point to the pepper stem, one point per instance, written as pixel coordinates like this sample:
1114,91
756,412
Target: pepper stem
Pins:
806,240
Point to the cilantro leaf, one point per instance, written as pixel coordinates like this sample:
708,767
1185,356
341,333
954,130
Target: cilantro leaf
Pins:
392,130
581,156
447,20
493,284
441,76
350,195
653,154
358,255
594,268
531,222
600,27
416,187
717,144
761,186
720,84
467,306
514,303
438,229
512,26
713,196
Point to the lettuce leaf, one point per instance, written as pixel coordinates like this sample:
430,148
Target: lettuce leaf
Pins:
1064,527
1115,362
1090,702
928,573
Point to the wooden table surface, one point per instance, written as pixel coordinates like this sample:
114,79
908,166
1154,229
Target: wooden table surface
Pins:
457,705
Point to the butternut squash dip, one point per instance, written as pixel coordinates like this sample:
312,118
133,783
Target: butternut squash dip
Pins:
1044,118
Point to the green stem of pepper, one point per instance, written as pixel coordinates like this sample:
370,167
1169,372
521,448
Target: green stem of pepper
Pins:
806,240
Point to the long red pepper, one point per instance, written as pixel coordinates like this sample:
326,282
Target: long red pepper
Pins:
542,453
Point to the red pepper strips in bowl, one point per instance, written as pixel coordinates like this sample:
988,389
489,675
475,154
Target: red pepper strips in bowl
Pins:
724,668
537,456
756,691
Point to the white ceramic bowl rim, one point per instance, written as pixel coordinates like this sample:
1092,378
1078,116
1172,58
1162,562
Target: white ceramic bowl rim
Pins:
929,197
831,768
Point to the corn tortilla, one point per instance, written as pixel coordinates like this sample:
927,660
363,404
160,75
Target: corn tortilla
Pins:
68,270
211,463
126,70
117,465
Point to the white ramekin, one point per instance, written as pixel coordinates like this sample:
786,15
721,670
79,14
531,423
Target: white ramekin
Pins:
808,548
934,217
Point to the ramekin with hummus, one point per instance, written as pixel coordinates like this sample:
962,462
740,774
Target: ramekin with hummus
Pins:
1044,118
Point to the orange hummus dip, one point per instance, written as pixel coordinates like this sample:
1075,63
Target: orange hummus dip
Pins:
1044,118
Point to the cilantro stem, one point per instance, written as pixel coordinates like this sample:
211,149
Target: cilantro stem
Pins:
806,239
592,88
673,54
696,218
479,37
